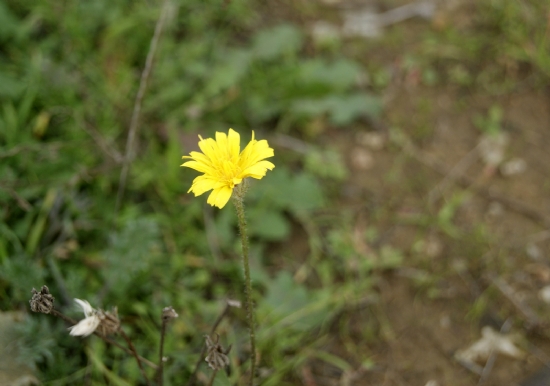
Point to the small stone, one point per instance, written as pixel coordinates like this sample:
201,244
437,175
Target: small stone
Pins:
533,251
433,247
492,147
362,159
544,294
495,209
323,32
513,167
372,140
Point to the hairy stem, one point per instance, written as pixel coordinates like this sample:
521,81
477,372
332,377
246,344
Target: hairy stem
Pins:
239,206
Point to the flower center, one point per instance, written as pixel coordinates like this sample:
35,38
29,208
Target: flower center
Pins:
229,172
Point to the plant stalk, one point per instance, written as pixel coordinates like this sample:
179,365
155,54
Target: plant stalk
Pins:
72,322
134,353
238,199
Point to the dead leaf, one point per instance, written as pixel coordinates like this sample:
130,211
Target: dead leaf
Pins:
491,342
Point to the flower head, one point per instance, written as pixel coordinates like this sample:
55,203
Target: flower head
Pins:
225,166
216,356
42,301
87,325
104,321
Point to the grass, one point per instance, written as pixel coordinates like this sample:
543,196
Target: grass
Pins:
69,74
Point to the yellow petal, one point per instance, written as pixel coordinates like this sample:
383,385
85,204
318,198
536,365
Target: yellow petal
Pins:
221,141
208,147
202,184
258,170
219,197
198,166
234,144
254,152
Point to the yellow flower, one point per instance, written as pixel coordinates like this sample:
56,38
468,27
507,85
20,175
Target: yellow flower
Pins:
224,167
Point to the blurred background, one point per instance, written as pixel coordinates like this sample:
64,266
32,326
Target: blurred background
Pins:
402,238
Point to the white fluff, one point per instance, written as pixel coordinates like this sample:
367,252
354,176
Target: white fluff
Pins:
87,325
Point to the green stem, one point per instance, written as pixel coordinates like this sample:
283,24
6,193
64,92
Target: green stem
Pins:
239,206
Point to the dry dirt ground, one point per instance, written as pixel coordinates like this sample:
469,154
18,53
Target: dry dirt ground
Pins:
488,270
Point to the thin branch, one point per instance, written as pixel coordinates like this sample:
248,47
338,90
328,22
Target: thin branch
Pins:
23,204
168,313
130,141
457,170
135,354
211,382
193,376
72,322
532,318
102,143
493,356
160,375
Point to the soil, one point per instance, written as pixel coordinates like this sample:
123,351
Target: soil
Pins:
452,282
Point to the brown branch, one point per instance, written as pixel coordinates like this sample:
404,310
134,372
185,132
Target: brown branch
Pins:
130,141
191,380
532,318
135,354
72,322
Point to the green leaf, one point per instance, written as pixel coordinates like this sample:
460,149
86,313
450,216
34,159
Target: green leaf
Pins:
345,110
305,194
268,224
221,379
228,73
342,109
132,251
272,43
338,76
97,362
23,273
9,25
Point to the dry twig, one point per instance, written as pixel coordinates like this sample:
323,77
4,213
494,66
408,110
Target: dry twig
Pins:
71,321
491,194
532,318
130,142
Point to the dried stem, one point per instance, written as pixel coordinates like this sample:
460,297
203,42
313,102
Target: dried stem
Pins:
130,141
134,353
211,382
161,352
493,357
193,376
238,199
106,339
168,314
532,318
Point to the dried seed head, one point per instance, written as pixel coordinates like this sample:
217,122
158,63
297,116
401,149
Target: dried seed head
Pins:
41,301
108,322
168,313
216,356
104,322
